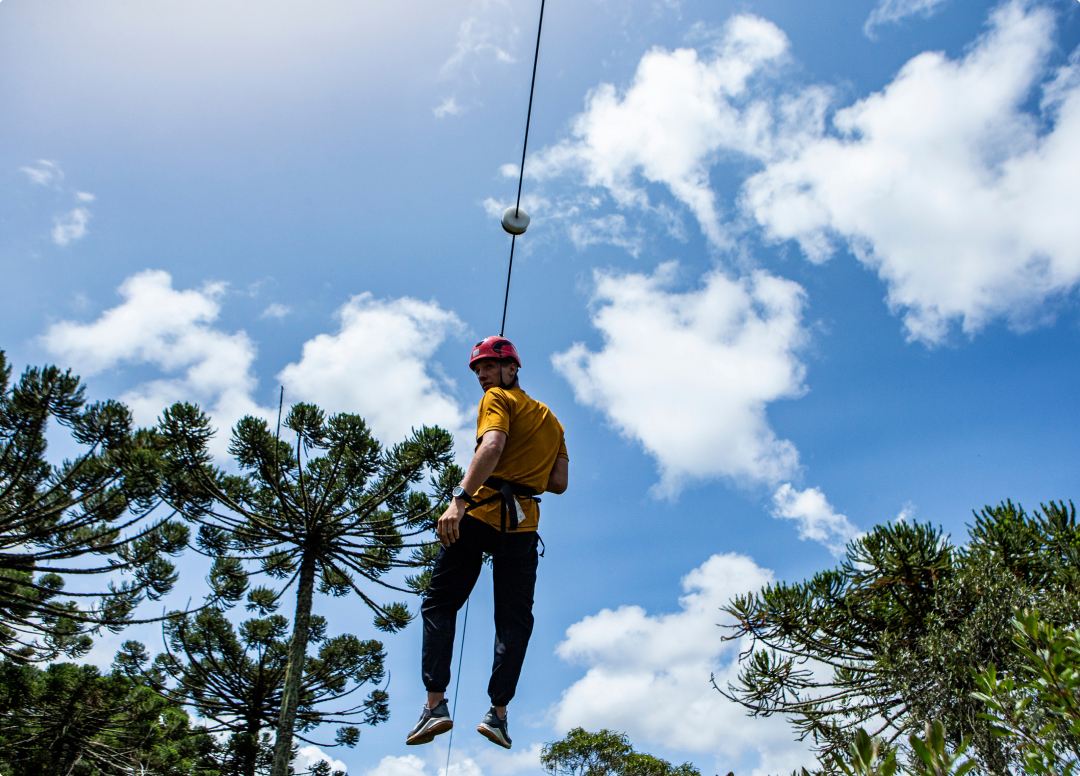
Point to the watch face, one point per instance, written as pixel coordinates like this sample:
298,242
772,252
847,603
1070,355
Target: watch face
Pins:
459,492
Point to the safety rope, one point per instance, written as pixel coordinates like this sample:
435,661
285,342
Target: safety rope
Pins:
521,172
457,685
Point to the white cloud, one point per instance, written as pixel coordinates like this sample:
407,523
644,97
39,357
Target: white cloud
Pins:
815,516
411,765
171,330
943,184
311,754
408,765
45,173
71,226
689,375
610,229
377,365
489,30
648,675
276,310
84,196
449,107
669,125
888,11
508,763
907,513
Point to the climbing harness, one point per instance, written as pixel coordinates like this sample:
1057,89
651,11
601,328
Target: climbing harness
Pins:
508,493
515,220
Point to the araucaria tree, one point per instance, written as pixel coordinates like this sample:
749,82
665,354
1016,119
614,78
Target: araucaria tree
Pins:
895,636
72,720
334,508
85,517
233,678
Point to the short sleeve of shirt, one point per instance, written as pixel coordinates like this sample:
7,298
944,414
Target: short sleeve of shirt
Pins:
494,413
562,450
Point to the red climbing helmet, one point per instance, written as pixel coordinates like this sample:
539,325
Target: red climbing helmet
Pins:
494,347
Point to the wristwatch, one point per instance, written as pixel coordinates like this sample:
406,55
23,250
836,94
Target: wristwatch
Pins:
460,492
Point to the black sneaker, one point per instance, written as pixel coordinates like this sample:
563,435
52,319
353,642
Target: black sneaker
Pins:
432,722
494,729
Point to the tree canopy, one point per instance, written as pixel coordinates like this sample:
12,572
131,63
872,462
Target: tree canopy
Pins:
895,635
86,517
233,678
607,753
72,720
335,507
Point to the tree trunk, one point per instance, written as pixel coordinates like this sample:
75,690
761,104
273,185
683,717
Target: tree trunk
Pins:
248,748
294,671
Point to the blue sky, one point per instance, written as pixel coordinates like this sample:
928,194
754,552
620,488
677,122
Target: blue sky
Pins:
794,269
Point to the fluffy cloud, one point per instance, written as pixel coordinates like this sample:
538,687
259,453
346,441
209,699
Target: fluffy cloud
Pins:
815,516
889,11
736,342
448,107
309,755
944,185
648,674
408,765
490,29
71,226
411,765
45,173
669,125
171,330
610,229
276,310
377,365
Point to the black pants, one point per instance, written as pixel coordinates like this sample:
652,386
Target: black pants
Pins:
457,568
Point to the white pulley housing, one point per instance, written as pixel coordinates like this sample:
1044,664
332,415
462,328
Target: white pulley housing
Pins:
515,223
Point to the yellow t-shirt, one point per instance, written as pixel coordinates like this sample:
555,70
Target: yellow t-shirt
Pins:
534,439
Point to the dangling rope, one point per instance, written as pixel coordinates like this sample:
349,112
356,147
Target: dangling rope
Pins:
521,172
457,685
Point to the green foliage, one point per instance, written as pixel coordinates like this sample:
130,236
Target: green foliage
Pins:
901,627
866,756
606,753
71,720
1037,711
69,519
332,512
234,679
336,495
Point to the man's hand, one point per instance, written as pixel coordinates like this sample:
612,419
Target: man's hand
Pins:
483,464
447,527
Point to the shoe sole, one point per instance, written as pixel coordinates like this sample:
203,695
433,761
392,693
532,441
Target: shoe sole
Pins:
427,735
492,735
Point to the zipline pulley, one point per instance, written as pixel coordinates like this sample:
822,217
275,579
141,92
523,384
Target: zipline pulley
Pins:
515,220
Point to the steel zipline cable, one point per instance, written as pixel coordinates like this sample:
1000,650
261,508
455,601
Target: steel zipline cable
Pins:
502,329
521,172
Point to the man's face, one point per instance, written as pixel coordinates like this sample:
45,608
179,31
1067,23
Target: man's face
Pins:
491,372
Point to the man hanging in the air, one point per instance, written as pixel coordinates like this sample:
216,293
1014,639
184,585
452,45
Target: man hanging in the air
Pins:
520,453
